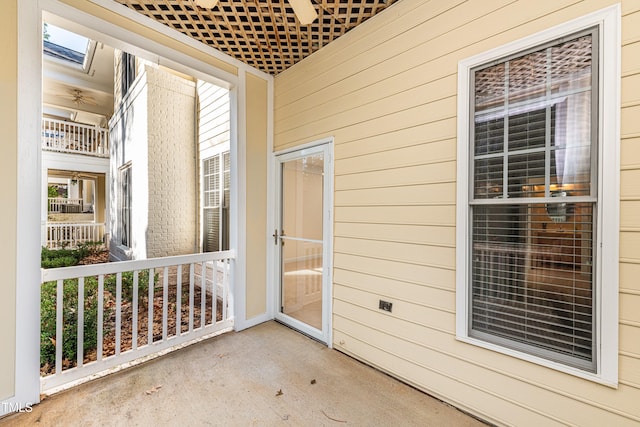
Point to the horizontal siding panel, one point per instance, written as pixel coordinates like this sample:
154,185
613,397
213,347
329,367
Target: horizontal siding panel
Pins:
630,26
410,175
630,58
441,215
630,92
444,299
438,151
630,307
423,133
411,253
630,7
347,128
630,183
629,274
347,300
630,370
630,153
373,101
410,195
439,236
389,177
630,125
323,102
433,276
630,214
630,245
630,340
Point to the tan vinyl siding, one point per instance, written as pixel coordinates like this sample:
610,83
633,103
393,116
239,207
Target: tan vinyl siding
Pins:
257,107
387,94
8,173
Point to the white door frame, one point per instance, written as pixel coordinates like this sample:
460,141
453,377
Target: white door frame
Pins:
320,146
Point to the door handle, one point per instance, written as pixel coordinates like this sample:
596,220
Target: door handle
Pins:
275,236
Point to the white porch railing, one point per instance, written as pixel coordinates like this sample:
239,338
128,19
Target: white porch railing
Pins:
69,235
109,315
63,205
69,137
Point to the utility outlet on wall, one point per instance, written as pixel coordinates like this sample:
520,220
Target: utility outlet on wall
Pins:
385,305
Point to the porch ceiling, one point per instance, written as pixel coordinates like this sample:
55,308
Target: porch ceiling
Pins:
261,33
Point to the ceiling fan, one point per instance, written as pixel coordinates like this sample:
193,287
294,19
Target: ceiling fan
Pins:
78,98
303,9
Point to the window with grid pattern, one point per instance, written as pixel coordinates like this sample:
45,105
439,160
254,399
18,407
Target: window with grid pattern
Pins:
533,201
215,209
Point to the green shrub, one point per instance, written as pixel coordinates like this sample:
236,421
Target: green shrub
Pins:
54,258
70,312
69,319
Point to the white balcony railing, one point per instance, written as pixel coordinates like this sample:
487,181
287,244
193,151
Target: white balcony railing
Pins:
68,235
63,205
97,318
69,137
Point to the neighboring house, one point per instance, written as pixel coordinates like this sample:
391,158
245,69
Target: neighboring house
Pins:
479,202
170,162
77,100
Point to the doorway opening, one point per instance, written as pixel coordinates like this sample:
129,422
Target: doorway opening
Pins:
302,239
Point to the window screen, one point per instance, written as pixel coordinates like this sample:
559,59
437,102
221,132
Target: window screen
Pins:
533,202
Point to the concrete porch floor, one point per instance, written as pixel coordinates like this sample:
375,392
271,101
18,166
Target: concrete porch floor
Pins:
263,376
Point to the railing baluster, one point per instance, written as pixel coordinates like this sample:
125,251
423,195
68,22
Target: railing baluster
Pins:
179,301
214,293
165,303
150,309
134,312
59,313
100,316
191,293
203,294
118,310
225,289
80,349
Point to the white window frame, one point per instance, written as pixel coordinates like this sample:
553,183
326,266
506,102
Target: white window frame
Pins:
121,200
607,226
219,153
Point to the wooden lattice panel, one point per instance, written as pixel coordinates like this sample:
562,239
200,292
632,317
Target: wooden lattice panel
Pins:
261,33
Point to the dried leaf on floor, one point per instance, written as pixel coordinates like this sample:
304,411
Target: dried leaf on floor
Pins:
153,390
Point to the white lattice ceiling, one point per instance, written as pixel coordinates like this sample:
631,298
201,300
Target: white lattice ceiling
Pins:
261,33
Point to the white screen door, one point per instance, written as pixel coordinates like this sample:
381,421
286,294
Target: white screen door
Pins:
302,240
